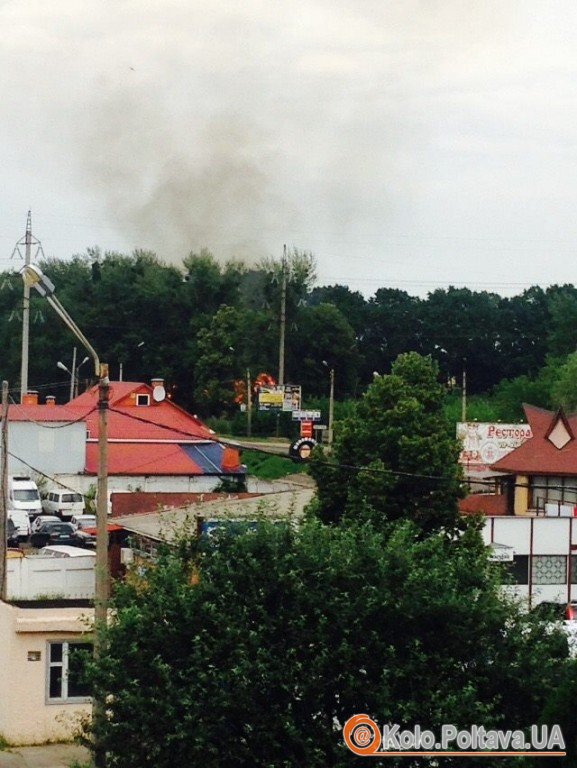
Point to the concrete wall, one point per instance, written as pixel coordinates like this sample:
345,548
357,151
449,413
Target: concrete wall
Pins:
34,578
147,484
25,717
138,503
49,450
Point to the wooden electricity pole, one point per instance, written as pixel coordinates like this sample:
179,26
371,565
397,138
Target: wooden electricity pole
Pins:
4,491
248,404
282,319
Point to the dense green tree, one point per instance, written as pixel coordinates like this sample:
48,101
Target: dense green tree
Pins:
395,459
562,336
256,649
522,340
320,339
393,326
461,329
351,304
564,389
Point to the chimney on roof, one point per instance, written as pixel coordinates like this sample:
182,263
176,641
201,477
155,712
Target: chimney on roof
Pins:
30,398
51,400
158,390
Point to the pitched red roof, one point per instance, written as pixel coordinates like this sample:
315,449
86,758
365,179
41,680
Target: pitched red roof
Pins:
128,421
538,455
483,503
42,413
142,459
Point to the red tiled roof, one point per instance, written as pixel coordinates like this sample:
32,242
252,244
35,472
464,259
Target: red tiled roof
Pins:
483,503
143,459
538,455
42,413
157,421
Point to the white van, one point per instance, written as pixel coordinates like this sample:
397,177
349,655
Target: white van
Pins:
22,522
64,503
23,495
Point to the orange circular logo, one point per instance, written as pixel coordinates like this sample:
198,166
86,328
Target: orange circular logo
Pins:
362,735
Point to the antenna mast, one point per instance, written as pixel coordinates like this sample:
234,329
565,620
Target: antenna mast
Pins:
27,241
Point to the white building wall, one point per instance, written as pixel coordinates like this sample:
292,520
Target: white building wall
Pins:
534,537
128,483
25,715
50,447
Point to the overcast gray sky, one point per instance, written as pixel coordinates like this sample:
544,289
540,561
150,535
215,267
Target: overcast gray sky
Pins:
411,143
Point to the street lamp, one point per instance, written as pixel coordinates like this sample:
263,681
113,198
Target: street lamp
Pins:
34,278
73,373
331,403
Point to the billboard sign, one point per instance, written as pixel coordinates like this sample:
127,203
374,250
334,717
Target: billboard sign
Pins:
306,415
485,443
285,398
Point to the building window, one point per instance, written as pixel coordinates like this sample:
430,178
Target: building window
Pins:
519,569
573,569
553,490
142,399
65,672
549,569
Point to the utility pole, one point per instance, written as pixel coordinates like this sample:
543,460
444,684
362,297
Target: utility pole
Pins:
248,404
27,241
102,569
464,392
331,409
282,319
73,377
4,491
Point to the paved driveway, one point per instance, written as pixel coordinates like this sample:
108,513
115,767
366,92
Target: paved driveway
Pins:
48,756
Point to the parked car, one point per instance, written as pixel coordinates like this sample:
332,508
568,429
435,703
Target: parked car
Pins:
85,538
23,495
21,521
41,519
63,550
52,533
11,532
64,503
83,521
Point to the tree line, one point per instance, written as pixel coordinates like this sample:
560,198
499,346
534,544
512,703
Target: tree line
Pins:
203,324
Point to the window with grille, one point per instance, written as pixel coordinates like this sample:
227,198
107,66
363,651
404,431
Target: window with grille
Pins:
549,569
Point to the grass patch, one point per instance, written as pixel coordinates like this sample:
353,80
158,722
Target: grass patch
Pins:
3,743
267,467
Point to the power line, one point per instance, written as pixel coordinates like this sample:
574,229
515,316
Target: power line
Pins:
329,464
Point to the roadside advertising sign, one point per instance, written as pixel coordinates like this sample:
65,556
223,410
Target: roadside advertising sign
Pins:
306,415
285,398
485,443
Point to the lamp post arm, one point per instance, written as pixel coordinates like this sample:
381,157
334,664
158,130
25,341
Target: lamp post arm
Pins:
59,309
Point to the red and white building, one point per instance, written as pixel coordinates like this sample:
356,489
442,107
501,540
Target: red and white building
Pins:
531,522
153,444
